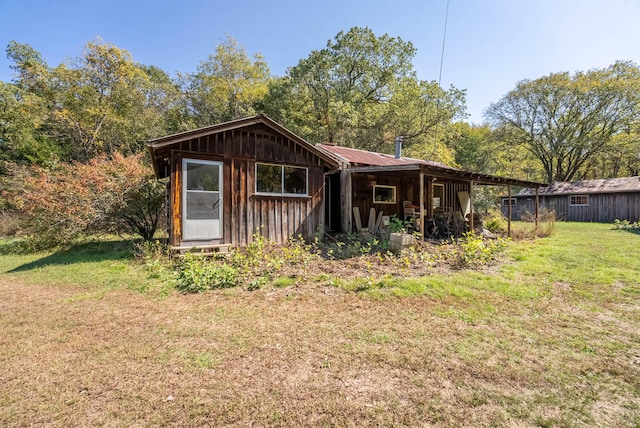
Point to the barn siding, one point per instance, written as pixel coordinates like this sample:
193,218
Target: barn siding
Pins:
603,207
277,218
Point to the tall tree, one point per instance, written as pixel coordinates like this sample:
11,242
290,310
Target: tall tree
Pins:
23,116
226,85
99,102
100,99
566,121
360,91
24,107
345,85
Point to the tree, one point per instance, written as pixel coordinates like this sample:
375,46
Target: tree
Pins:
566,121
99,102
23,118
345,85
361,91
226,85
24,108
423,113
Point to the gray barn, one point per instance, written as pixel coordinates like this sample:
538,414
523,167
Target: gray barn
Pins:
603,200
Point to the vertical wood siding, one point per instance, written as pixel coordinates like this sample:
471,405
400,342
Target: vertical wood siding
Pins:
277,218
407,189
602,208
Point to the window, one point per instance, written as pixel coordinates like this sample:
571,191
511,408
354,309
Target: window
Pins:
384,194
579,201
438,196
281,180
505,202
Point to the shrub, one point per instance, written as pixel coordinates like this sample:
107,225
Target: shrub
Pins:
115,194
155,257
197,274
495,222
474,251
625,224
9,223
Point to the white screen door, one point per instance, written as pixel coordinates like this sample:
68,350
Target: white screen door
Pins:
201,199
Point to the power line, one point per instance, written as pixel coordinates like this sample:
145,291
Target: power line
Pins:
444,39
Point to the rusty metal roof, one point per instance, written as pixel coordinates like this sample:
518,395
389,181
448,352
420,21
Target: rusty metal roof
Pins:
364,162
358,157
606,185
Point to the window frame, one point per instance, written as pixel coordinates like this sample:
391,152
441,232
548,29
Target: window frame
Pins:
282,186
384,186
572,202
514,202
442,194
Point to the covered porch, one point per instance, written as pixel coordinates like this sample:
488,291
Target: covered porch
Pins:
438,199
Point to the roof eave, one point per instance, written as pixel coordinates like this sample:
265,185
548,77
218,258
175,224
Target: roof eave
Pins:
169,140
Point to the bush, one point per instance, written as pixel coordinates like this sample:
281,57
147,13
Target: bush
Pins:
197,274
9,223
495,222
59,205
474,251
625,224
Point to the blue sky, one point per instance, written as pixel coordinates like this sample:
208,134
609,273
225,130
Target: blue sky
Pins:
490,44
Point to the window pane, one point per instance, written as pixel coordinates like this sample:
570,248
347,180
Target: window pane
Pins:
268,178
202,177
384,194
295,180
203,206
579,200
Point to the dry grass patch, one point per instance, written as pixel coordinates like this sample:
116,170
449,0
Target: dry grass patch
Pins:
311,356
550,338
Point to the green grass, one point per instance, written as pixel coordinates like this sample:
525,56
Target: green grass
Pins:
97,266
549,337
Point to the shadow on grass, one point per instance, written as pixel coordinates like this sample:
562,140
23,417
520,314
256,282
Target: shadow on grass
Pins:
634,230
82,253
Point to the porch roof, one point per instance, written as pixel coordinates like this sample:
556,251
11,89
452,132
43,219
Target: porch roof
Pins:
361,161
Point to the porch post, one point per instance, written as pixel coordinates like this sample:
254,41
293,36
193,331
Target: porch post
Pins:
430,197
346,197
509,211
537,208
471,206
422,222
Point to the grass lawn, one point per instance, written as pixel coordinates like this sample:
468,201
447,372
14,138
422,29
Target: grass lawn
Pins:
551,337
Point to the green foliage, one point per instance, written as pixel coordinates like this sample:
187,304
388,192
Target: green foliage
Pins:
396,225
625,224
474,251
154,255
227,85
197,274
495,222
261,260
355,245
566,121
360,91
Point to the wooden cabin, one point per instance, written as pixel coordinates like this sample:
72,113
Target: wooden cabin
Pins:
601,201
231,180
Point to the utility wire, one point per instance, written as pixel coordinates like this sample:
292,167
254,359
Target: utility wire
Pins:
444,39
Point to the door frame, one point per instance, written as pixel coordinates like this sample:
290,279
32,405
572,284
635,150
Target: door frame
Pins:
183,198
